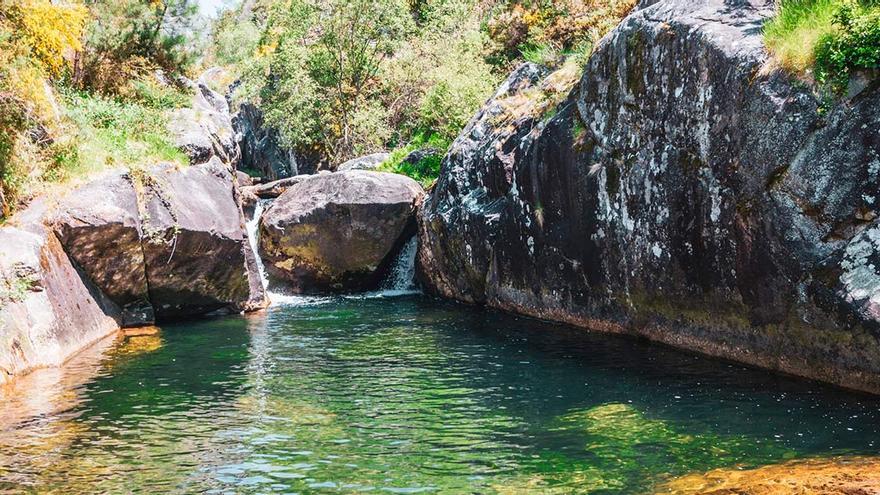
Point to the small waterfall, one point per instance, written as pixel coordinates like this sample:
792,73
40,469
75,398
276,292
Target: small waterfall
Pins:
401,276
275,298
399,281
253,227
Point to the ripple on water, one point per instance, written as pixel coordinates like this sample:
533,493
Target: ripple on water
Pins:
406,395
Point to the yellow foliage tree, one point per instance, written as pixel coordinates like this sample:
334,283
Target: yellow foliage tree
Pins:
50,30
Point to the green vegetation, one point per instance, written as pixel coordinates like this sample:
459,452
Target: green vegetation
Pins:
15,289
855,46
113,132
79,91
828,39
426,169
342,79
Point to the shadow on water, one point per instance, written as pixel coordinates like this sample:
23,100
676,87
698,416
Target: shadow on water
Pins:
411,395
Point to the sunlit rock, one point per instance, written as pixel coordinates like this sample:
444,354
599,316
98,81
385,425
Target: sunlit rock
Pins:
337,231
682,192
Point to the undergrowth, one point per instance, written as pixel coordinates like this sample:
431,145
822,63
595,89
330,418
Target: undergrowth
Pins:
826,40
91,133
426,170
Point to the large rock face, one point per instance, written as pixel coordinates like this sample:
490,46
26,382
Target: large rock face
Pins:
162,243
260,147
205,130
337,231
99,226
680,193
48,309
195,245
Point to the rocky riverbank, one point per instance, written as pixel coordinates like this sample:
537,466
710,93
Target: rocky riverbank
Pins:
128,249
685,191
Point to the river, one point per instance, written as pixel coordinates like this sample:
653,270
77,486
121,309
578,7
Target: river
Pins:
405,395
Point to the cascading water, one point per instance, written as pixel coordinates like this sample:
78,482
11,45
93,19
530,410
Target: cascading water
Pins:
252,228
401,277
275,297
400,280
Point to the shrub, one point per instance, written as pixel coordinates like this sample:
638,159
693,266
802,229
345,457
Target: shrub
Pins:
856,45
533,30
50,30
130,38
324,63
426,170
793,33
459,87
235,41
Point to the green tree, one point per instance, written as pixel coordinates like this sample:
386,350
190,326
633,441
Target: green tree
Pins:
130,37
323,72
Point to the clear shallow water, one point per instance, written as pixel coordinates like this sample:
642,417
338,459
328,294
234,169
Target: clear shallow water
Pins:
405,395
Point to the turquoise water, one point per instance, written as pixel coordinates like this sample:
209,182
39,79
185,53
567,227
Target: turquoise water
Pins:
408,395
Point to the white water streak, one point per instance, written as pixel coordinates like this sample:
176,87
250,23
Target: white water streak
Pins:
400,280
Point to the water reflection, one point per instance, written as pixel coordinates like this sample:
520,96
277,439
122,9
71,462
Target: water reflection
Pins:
408,395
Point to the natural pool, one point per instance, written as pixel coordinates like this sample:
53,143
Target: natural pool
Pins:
406,395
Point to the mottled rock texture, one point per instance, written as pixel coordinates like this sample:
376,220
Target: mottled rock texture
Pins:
49,309
100,228
163,242
260,147
683,192
126,249
205,130
195,246
367,162
338,231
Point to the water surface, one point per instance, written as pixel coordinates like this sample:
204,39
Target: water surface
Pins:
406,395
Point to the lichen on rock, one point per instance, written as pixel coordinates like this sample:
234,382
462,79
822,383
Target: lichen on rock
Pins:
681,192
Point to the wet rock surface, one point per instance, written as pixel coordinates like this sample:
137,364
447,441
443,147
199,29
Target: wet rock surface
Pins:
680,193
337,231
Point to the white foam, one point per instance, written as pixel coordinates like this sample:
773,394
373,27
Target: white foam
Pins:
399,282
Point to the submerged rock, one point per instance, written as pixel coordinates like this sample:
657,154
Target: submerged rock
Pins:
680,193
834,476
337,231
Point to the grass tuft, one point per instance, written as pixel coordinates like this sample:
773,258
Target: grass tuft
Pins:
792,35
426,170
826,40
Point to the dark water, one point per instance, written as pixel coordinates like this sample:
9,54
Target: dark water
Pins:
408,395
